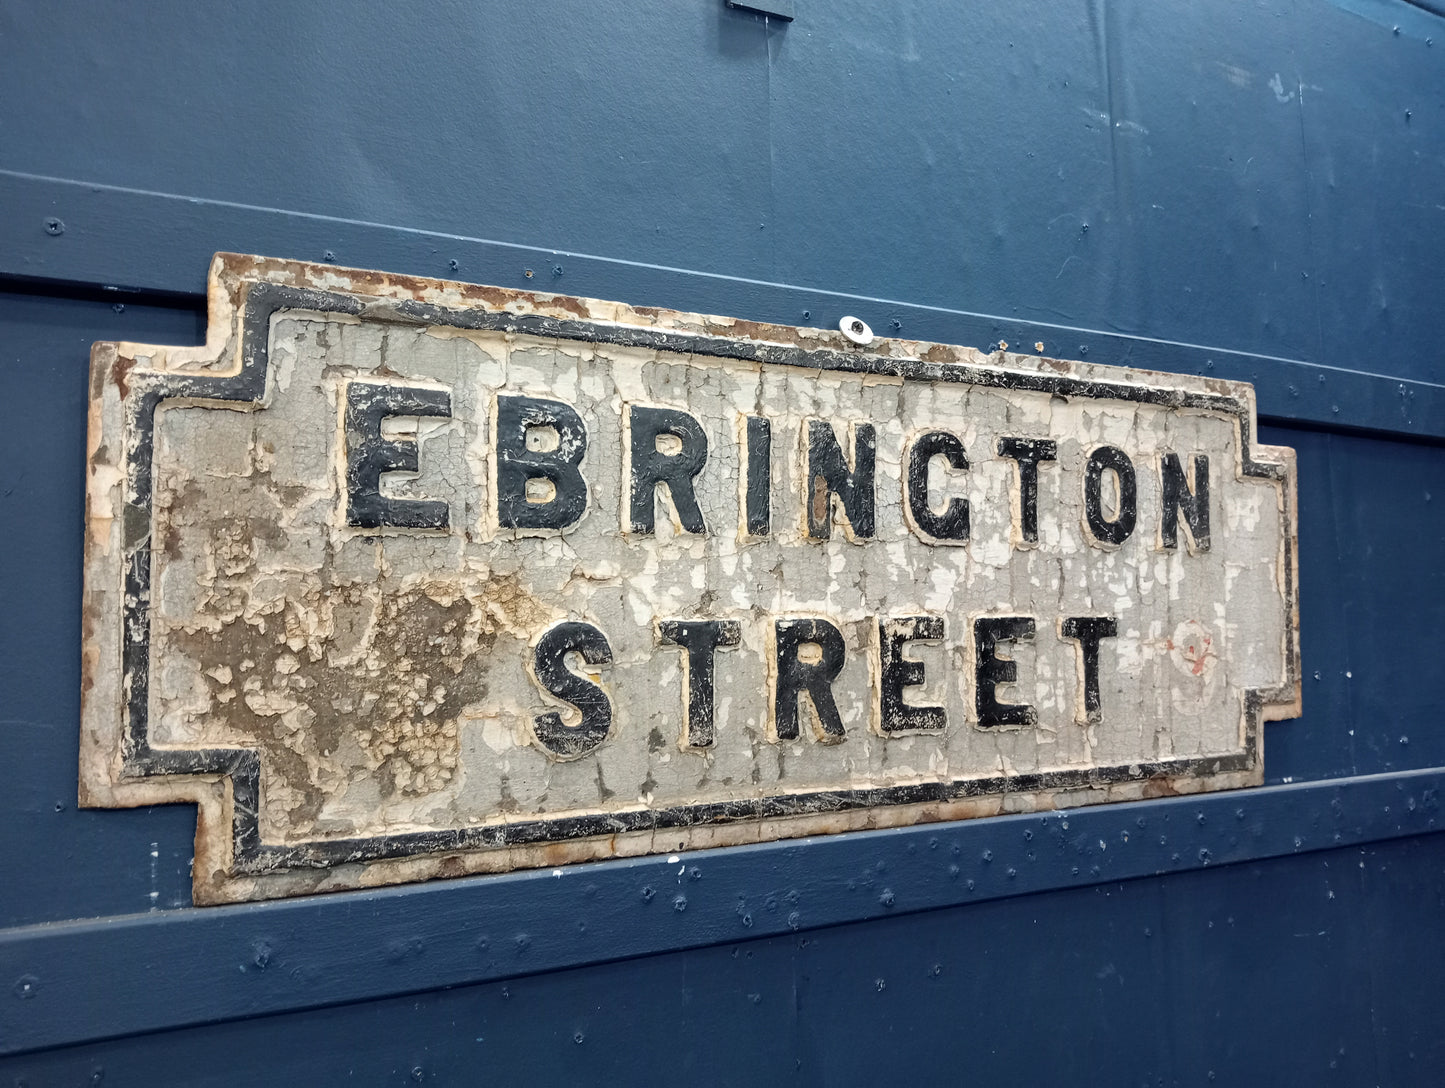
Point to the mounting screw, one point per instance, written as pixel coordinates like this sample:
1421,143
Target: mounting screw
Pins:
856,330
54,227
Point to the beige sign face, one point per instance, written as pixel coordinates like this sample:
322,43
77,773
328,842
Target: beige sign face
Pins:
400,579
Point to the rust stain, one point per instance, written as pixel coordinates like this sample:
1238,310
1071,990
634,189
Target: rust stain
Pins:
820,500
1160,787
120,374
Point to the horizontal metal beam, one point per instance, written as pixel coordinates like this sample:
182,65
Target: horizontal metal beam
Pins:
81,981
104,236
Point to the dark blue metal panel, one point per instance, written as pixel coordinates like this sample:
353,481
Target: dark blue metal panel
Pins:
1250,190
117,976
58,861
105,227
1285,972
1245,159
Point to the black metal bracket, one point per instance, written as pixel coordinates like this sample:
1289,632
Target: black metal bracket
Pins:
778,9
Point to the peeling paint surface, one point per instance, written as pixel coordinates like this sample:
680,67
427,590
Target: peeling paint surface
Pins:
355,704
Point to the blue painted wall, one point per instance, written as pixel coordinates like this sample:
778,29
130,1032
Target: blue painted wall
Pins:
1249,189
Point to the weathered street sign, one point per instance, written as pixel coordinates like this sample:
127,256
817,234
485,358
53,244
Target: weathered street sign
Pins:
400,579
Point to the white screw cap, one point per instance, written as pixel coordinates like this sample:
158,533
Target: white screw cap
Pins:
856,330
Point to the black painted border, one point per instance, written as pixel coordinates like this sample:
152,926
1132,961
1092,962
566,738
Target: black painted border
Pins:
261,300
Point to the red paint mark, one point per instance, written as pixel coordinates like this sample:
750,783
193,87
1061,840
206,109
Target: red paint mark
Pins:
1197,653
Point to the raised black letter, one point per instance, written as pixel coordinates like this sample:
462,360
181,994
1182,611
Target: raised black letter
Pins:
539,445
828,475
368,455
952,524
991,670
1028,452
897,673
758,487
1176,494
795,677
677,468
1117,461
1087,631
549,663
700,638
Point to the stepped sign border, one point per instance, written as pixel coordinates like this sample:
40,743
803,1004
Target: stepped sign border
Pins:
120,767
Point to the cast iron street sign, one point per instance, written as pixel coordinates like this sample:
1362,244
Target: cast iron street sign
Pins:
400,579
